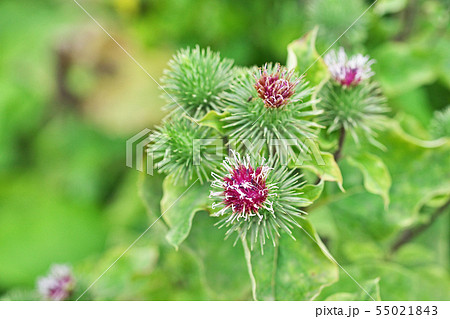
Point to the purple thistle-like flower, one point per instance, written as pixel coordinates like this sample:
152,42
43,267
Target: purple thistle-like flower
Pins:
242,190
258,198
58,284
348,71
275,89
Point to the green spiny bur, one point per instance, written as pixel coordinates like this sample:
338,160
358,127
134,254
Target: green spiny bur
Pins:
360,110
196,80
176,153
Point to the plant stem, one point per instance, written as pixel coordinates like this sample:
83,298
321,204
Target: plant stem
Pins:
338,153
413,232
64,62
408,17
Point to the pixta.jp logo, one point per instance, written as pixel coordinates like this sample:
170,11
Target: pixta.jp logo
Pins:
139,154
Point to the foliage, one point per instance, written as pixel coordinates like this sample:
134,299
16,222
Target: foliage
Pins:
70,98
440,124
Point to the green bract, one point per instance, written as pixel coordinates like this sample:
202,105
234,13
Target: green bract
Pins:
440,124
196,80
359,110
334,18
185,150
281,129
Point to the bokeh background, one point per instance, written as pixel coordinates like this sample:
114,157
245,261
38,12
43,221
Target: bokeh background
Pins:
70,98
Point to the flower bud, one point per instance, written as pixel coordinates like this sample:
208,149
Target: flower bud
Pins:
276,88
348,71
58,284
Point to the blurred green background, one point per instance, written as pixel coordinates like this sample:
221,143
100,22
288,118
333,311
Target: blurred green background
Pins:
70,98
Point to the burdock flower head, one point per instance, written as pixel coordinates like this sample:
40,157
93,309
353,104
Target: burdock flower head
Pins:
244,189
275,88
348,71
257,198
58,285
278,107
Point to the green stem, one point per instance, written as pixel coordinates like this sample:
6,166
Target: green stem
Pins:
248,259
338,153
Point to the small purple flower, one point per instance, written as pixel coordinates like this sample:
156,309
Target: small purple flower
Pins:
242,190
348,71
58,285
276,88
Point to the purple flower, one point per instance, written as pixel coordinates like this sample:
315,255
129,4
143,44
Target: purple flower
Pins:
242,190
348,71
58,285
275,88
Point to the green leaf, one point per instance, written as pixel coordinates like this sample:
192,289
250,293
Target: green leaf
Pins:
303,57
334,18
383,7
311,192
151,192
130,277
402,67
419,171
414,110
261,268
371,287
327,168
444,70
376,175
150,188
41,225
214,120
396,128
294,270
401,283
341,296
341,219
20,294
221,264
179,205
